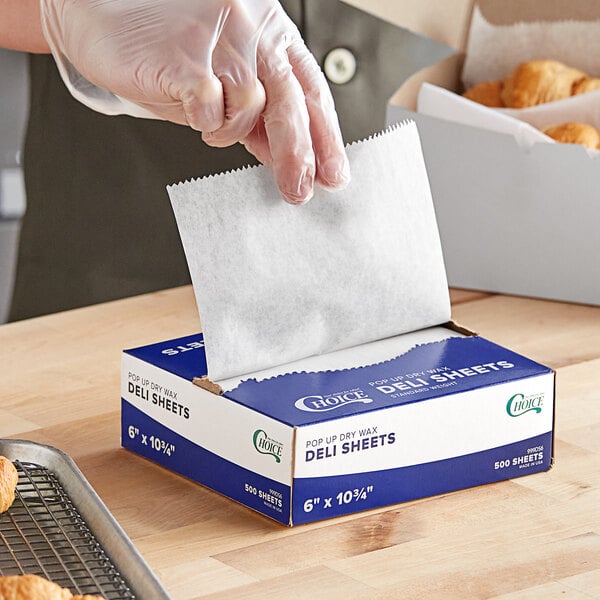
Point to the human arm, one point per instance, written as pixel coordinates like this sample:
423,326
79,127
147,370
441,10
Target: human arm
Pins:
238,71
20,27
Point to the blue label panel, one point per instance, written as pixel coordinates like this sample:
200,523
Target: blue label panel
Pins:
184,357
325,497
150,439
428,371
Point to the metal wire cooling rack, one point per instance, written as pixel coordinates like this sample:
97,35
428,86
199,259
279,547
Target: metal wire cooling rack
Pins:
43,533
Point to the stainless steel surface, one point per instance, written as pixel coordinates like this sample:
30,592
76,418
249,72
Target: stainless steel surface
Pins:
9,243
59,528
14,107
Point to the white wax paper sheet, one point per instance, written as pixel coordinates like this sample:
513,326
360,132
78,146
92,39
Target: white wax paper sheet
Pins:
362,355
494,51
275,283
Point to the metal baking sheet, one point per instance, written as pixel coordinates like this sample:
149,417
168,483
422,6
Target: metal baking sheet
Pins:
59,528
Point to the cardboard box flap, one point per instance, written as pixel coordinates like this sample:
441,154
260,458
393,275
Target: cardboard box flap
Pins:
183,356
434,362
442,21
509,12
445,74
448,22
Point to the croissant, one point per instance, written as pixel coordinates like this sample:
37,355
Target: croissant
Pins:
33,587
488,93
574,133
8,483
538,81
531,83
587,84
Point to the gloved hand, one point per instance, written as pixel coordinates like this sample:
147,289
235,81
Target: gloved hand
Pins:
236,70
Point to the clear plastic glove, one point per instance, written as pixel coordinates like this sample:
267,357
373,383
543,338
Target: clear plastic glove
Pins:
238,71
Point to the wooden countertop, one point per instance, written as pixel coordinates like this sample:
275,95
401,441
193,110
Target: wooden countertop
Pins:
534,537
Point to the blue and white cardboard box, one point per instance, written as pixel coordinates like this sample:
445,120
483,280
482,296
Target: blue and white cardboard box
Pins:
427,413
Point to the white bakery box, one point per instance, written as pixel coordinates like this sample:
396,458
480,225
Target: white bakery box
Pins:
515,216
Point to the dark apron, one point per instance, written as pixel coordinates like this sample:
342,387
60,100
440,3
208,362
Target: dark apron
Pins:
99,224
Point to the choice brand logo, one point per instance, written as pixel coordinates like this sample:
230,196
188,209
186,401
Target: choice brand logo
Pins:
266,445
319,403
519,404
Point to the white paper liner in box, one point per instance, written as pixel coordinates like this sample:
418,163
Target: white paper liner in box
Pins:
275,283
494,51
